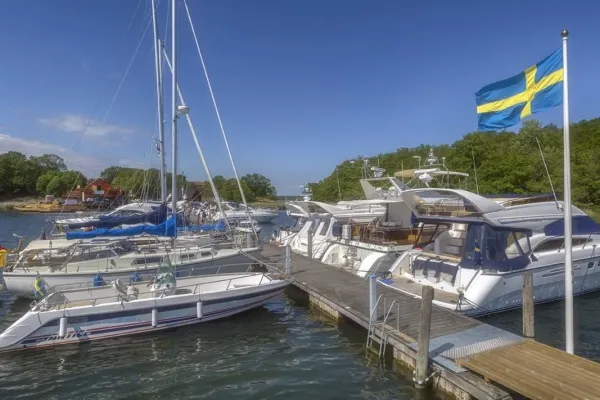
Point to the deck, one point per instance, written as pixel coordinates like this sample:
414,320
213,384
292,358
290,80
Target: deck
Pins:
473,358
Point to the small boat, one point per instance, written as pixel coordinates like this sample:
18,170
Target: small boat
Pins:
84,314
246,226
235,211
52,208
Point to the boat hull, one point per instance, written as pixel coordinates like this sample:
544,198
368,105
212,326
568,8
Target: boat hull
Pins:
85,324
20,283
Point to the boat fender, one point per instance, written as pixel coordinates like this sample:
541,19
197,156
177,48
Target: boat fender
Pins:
62,327
136,277
154,317
98,280
199,310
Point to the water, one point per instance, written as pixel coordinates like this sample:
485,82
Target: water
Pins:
281,351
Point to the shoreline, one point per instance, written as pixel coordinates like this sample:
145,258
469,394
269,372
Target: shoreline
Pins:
9,205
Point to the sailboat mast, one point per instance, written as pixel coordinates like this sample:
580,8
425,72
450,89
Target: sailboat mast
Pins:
174,106
159,98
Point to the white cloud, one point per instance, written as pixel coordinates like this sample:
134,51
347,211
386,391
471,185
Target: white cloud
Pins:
71,123
89,166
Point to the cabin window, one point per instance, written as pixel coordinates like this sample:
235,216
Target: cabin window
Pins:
550,245
187,257
147,260
323,230
205,254
557,244
315,225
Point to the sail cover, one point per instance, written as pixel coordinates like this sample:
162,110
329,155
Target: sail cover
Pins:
218,226
166,228
155,216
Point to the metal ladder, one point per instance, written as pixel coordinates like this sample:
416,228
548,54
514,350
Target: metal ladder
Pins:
373,324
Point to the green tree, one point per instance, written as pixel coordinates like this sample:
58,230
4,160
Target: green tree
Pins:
260,185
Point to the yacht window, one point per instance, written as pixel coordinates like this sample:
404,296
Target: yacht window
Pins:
557,244
579,241
591,265
550,245
147,260
315,225
205,254
323,230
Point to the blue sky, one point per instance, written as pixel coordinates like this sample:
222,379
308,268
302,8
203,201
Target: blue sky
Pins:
301,85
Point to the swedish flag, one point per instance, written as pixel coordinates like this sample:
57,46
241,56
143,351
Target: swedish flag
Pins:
505,103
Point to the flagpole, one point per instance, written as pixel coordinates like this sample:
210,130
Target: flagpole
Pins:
567,205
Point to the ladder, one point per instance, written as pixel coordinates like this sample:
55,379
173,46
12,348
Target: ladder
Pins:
373,325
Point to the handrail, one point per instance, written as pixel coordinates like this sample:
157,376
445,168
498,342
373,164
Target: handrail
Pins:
196,286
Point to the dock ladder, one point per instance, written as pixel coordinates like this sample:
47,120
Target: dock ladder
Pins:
373,325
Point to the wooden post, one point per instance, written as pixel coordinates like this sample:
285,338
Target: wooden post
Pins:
310,243
528,313
288,260
421,369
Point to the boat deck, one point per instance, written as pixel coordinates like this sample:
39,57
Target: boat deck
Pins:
470,354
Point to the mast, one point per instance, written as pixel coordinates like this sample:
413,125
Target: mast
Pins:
174,108
159,98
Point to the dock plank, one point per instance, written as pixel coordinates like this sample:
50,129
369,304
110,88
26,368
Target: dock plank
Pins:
538,371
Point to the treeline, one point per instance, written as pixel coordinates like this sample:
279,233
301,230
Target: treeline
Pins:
35,176
22,176
255,186
505,163
140,183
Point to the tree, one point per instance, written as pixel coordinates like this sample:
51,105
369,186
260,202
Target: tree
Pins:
260,185
506,162
109,174
49,162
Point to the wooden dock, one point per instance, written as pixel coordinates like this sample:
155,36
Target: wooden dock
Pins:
468,358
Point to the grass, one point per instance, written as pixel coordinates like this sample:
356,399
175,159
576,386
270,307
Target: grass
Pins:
267,203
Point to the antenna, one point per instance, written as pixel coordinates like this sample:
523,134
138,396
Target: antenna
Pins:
547,173
475,170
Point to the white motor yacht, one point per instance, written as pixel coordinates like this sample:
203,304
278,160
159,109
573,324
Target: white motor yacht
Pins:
480,250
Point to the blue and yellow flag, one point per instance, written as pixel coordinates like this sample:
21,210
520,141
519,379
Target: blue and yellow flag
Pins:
505,103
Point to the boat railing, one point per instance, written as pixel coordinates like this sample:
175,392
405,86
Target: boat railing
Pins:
123,297
244,267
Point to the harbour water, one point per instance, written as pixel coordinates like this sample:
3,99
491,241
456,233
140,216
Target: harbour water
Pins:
283,350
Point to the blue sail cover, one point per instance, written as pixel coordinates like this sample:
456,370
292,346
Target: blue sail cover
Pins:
219,226
167,228
155,216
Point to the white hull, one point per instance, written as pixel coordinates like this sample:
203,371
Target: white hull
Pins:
21,282
495,293
40,329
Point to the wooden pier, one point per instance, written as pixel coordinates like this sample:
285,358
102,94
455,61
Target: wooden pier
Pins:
467,358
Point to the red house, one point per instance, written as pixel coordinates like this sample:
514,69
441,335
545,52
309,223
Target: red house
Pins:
97,190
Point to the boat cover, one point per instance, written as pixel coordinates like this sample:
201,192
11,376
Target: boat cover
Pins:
157,216
166,228
218,226
581,225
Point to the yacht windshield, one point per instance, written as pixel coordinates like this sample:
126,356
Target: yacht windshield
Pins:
495,249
